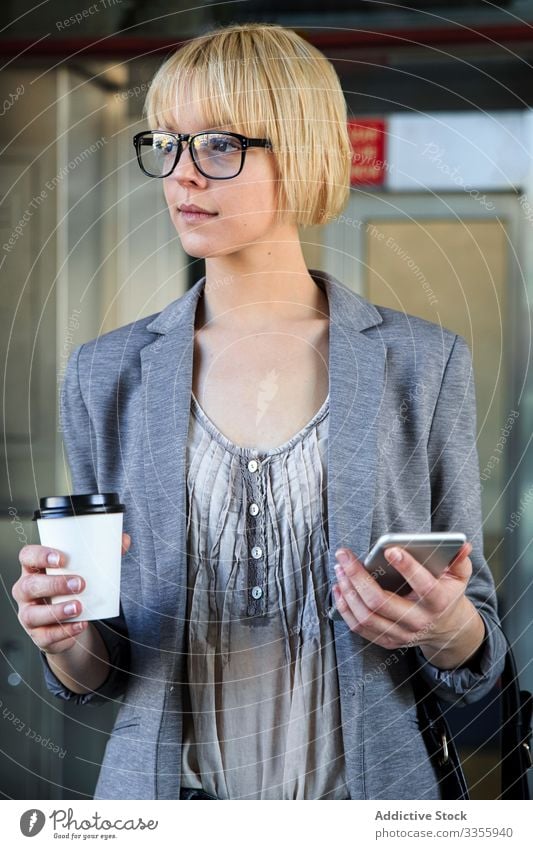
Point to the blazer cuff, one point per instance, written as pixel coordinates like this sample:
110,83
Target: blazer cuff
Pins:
471,682
111,689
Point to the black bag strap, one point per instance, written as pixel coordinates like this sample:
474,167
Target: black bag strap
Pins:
515,741
437,736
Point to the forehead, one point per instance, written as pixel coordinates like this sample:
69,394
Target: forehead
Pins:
184,121
185,107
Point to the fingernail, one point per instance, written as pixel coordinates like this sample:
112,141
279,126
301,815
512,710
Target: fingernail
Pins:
53,558
74,584
78,626
69,609
396,554
339,570
342,557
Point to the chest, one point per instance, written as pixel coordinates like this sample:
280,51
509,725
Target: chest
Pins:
260,388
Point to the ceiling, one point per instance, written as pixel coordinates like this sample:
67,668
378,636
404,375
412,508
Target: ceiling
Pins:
420,55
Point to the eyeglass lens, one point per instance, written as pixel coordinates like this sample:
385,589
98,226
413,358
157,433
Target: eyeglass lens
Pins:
217,154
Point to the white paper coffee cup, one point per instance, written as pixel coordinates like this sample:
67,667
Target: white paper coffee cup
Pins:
88,529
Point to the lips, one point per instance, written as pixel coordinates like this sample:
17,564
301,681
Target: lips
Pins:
192,209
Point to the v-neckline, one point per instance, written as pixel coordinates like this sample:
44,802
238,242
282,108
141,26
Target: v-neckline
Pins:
245,451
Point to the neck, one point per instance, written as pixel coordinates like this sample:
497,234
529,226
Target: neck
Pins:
264,288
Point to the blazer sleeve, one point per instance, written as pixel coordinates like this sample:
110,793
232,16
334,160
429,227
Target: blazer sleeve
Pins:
456,506
80,443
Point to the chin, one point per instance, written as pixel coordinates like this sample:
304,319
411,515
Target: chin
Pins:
196,250
199,253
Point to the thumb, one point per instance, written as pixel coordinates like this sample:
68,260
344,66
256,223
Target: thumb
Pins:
461,565
126,542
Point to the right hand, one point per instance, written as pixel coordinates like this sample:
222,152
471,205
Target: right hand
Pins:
46,623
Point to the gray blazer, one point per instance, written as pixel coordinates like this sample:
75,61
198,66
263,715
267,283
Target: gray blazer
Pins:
402,456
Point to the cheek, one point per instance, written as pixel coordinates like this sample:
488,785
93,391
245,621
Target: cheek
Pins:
167,194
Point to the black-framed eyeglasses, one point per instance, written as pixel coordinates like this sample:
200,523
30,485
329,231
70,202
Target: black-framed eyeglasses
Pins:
216,155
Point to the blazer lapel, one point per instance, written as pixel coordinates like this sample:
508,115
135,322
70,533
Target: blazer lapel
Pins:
166,367
356,376
356,381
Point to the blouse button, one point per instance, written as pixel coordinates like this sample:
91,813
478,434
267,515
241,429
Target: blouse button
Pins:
257,592
253,510
257,551
252,466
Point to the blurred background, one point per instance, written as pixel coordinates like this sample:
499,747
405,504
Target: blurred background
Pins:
439,224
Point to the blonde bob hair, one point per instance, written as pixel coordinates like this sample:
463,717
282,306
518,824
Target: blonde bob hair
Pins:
263,80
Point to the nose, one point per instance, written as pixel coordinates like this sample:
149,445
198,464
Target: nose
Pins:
186,170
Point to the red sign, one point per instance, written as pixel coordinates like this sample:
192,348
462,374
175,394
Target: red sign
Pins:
367,136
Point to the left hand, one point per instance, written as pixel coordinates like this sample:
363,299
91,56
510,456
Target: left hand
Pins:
436,615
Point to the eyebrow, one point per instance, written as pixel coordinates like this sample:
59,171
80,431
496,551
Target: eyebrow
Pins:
170,128
177,132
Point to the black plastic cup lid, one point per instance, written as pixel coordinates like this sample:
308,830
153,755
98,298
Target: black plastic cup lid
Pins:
59,506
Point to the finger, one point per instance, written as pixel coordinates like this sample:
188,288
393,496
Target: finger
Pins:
342,606
126,543
461,565
371,626
48,636
39,615
390,605
377,625
433,592
417,576
37,586
60,646
36,557
426,586
359,574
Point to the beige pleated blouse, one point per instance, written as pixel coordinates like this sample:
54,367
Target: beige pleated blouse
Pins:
264,720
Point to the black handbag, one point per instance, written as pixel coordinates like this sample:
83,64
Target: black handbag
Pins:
515,735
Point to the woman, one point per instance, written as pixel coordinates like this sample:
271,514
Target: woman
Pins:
248,429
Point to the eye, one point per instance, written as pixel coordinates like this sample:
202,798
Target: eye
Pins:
224,145
219,144
165,144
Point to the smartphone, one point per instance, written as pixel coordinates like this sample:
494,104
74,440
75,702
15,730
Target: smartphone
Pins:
433,550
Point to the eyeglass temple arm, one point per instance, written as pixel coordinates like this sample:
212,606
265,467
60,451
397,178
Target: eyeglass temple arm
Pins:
258,143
